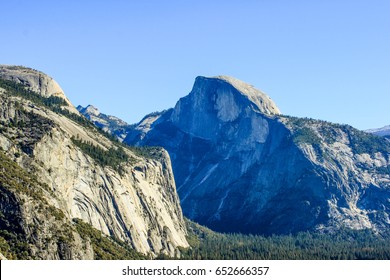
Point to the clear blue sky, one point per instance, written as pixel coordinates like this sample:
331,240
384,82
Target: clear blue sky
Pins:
326,59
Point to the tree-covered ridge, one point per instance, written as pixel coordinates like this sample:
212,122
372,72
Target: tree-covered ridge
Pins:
346,244
150,152
106,247
20,90
116,156
113,157
311,131
56,104
25,128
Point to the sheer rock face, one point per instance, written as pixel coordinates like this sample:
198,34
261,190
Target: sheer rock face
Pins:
216,102
242,167
138,205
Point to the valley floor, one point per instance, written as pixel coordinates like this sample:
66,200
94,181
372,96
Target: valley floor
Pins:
344,245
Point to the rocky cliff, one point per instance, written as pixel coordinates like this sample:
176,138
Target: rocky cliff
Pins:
240,166
128,194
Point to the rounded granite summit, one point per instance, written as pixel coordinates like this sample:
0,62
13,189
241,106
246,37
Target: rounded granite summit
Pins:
36,81
264,103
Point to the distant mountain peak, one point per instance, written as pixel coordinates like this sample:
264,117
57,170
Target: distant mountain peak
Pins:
383,131
241,167
92,110
108,123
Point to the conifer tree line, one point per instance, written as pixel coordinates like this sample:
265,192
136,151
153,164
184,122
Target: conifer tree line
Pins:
112,157
345,244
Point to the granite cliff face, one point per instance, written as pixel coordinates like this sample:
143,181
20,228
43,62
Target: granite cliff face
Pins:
240,166
128,194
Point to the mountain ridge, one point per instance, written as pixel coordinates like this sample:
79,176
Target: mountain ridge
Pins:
127,194
239,168
35,81
107,123
383,131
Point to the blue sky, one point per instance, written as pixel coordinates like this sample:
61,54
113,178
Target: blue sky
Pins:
322,59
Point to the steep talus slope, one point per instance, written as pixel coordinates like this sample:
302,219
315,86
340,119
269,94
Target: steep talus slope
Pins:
128,194
240,166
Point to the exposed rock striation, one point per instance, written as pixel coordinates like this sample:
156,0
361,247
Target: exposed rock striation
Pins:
240,166
128,194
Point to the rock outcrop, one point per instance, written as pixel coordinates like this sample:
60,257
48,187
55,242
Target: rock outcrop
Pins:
125,193
35,81
240,166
